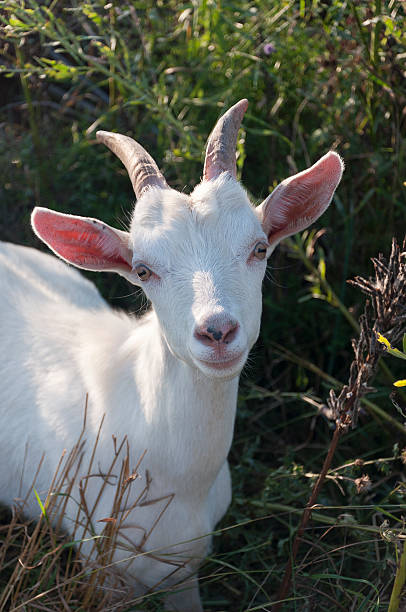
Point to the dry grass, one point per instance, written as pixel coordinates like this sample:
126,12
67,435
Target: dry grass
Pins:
49,570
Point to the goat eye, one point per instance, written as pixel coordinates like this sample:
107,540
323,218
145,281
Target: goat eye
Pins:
260,250
143,272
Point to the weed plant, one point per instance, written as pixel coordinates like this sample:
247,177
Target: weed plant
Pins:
318,75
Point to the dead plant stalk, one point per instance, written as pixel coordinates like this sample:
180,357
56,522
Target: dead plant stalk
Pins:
385,313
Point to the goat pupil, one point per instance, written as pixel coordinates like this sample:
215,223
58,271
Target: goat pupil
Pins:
142,272
260,251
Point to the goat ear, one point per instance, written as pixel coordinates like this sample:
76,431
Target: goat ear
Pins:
84,242
300,199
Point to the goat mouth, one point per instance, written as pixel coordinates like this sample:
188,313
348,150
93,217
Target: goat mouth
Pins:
222,364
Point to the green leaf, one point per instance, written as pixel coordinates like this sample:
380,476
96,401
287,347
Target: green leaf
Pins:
322,268
16,22
396,353
41,505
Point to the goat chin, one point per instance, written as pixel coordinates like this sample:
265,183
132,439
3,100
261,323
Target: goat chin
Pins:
145,479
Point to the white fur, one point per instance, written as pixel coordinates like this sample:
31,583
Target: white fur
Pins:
148,376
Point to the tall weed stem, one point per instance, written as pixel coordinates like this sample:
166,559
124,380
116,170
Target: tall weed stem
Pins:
399,583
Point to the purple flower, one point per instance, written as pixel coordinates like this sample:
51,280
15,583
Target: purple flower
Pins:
269,48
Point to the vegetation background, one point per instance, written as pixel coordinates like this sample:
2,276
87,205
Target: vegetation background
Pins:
319,74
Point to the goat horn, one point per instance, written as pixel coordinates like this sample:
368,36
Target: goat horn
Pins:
220,149
141,168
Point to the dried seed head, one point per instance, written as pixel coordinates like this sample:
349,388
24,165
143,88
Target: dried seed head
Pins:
363,483
384,317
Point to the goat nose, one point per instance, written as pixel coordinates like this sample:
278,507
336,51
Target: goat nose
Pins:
217,331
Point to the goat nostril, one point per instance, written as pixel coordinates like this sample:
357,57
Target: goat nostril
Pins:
230,333
204,337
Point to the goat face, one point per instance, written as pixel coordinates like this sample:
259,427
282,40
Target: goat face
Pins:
201,260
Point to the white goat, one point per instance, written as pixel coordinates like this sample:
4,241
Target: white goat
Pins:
167,380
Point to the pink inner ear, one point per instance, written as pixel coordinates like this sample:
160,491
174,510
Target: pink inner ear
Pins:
299,200
86,243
